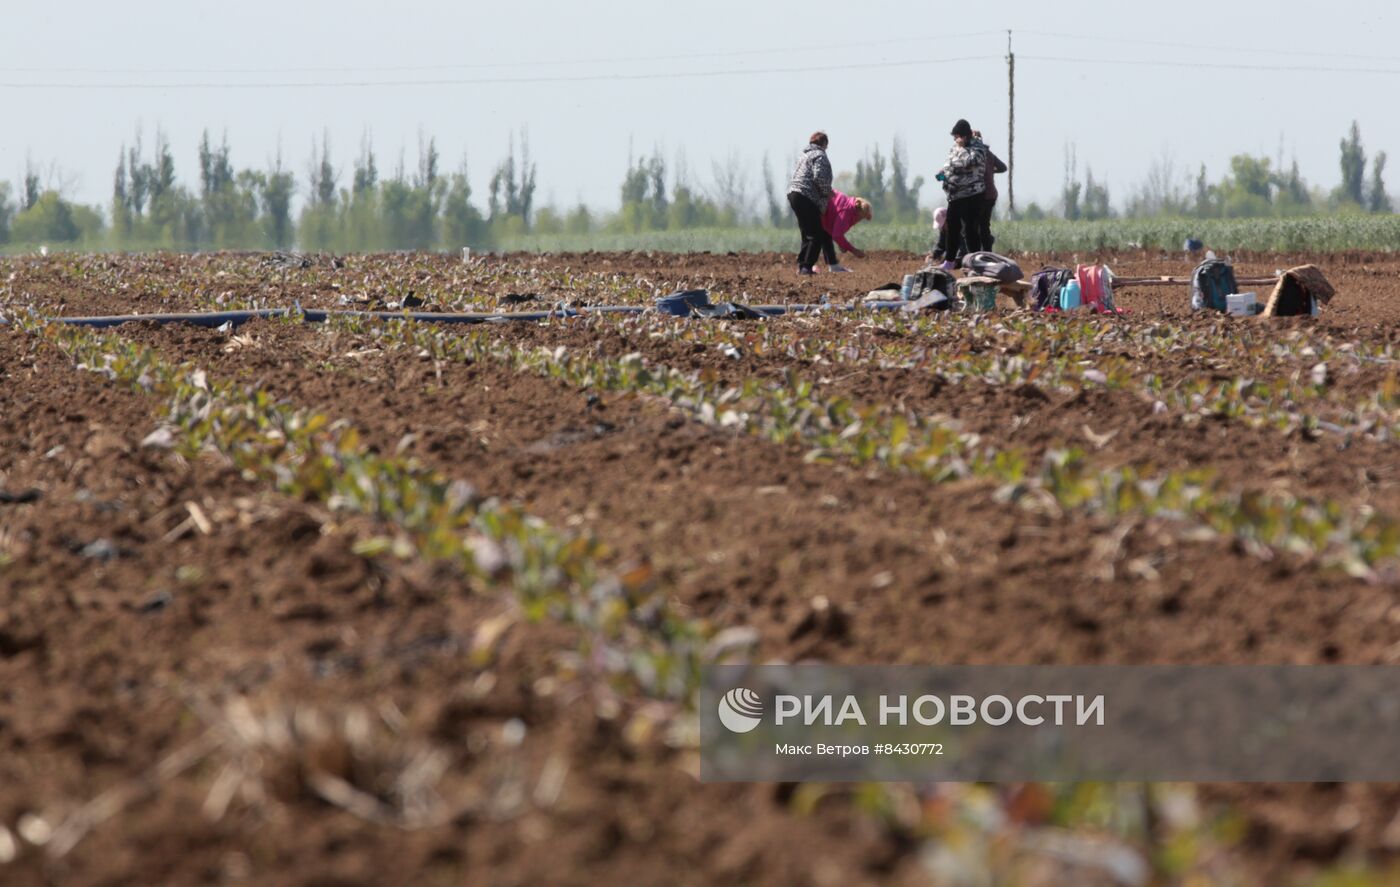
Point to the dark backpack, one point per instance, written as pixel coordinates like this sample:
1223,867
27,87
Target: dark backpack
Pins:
1211,282
938,279
985,264
1046,285
936,289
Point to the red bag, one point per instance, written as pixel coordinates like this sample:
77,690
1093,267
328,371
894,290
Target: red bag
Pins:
1096,288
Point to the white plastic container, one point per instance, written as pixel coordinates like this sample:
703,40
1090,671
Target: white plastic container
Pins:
1242,304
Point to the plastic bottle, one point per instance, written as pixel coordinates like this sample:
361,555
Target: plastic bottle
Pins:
1069,296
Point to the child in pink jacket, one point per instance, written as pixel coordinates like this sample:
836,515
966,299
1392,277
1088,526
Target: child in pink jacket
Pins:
843,213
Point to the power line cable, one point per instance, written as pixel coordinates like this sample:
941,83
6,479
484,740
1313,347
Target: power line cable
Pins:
491,81
502,65
1275,51
689,75
1308,69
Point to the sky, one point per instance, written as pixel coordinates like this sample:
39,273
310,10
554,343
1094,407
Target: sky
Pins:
724,81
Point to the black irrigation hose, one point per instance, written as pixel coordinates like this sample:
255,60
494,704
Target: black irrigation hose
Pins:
237,318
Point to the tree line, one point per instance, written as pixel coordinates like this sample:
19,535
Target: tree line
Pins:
1252,187
424,206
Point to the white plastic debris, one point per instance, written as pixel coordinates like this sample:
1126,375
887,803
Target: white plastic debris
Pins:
160,439
35,829
513,732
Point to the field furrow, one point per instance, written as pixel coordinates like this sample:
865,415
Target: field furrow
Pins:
870,544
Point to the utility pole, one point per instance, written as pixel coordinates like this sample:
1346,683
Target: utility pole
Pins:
1010,127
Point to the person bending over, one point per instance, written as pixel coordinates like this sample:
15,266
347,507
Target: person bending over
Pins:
940,224
843,213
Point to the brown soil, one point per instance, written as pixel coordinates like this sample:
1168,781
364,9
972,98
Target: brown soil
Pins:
826,561
749,533
120,630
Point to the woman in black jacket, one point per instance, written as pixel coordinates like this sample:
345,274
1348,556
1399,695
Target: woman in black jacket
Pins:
808,193
964,179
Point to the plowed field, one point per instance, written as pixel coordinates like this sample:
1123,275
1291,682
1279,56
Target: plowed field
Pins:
380,602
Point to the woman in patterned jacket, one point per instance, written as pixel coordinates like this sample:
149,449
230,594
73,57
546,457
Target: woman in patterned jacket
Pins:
808,194
964,178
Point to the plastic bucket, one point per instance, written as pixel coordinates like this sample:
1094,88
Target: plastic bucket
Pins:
982,297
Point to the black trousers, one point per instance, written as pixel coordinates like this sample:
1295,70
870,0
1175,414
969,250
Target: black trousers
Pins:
815,240
964,227
989,206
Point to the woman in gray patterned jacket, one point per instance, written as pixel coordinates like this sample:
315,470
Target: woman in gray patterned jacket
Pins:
808,193
964,178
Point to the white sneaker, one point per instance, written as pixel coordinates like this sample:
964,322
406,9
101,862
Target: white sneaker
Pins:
839,269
